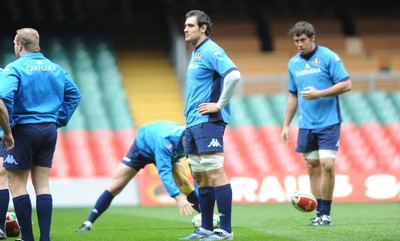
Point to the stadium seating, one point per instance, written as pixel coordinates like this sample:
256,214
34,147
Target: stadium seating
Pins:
82,162
386,153
357,149
154,92
61,167
383,106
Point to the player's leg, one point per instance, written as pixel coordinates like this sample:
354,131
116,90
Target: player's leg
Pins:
44,200
121,178
308,145
18,162
314,174
4,200
212,159
4,195
206,199
17,180
327,187
44,148
184,185
328,142
126,170
223,194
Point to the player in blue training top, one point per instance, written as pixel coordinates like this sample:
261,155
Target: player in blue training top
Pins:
159,143
316,78
40,97
4,192
210,83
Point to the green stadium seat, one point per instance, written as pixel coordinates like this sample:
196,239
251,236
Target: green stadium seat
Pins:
383,106
260,110
346,115
278,103
395,95
359,107
77,121
239,113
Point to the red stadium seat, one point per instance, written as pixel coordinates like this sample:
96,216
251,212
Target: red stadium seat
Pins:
235,162
386,152
392,130
81,161
358,150
124,139
60,167
283,156
103,148
256,155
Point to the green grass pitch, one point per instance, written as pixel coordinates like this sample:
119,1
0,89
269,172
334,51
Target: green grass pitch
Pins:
251,222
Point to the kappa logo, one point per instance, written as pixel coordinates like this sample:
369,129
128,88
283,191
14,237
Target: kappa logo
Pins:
10,160
214,143
127,159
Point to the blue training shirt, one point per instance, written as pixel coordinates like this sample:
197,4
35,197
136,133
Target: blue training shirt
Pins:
36,90
208,66
161,141
1,130
321,70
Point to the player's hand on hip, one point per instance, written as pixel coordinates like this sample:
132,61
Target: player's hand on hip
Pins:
8,141
207,108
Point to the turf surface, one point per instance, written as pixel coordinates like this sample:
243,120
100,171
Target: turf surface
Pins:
351,221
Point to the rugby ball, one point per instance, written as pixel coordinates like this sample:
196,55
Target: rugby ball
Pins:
12,225
196,221
304,201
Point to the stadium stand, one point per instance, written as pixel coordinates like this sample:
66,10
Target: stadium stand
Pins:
129,80
152,87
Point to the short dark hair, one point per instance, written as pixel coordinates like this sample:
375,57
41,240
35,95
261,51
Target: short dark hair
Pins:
302,27
202,18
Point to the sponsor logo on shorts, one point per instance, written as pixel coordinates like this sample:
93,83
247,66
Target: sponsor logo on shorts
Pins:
214,143
127,159
10,160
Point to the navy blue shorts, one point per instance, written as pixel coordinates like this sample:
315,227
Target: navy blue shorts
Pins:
135,159
326,138
3,151
205,137
34,146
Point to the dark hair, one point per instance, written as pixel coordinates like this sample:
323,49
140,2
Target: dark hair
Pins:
302,27
202,18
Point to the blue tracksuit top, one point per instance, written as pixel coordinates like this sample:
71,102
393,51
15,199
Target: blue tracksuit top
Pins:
208,66
36,90
323,69
161,141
